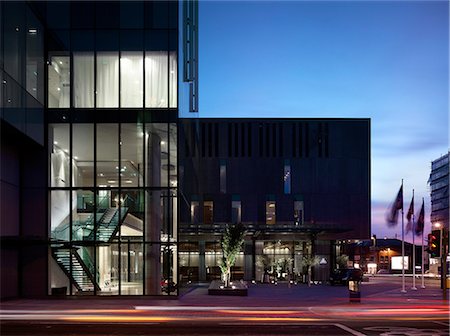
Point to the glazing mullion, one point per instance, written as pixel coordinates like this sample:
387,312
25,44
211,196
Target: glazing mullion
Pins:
70,195
119,138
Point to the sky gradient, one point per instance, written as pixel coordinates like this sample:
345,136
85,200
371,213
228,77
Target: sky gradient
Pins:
384,60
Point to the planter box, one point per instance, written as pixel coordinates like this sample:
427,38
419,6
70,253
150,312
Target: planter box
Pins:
238,289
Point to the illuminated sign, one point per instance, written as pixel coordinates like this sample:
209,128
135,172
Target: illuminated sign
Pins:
396,262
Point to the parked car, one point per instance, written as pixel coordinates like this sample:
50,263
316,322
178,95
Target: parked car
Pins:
344,275
168,286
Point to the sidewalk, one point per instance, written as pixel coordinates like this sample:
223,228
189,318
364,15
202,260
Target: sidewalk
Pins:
259,295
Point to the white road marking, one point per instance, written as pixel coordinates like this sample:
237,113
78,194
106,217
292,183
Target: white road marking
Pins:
350,330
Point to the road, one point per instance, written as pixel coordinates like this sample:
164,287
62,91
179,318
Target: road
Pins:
268,310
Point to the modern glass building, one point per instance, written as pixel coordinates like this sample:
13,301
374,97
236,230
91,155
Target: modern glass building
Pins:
106,89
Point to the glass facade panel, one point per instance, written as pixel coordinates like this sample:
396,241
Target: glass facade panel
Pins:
60,155
287,178
107,79
131,81
208,212
236,212
132,155
35,58
223,177
270,212
59,81
195,212
298,212
158,167
60,215
83,215
160,79
108,155
83,79
83,155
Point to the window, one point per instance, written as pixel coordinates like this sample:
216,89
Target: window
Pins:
298,213
83,79
287,177
59,81
236,212
270,212
131,81
107,79
194,212
160,79
208,212
223,177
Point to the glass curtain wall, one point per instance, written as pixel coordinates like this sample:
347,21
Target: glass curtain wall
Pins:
114,208
112,137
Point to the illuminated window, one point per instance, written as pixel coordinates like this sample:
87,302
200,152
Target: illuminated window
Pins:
270,212
298,212
194,212
208,212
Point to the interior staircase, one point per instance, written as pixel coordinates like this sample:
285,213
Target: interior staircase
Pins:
82,272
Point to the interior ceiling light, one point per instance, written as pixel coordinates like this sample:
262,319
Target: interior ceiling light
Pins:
32,30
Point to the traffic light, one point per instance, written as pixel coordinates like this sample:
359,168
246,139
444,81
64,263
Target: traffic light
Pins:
434,244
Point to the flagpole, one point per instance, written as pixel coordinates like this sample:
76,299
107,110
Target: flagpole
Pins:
423,255
403,248
414,248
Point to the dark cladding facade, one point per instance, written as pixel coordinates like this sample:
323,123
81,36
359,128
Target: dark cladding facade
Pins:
300,186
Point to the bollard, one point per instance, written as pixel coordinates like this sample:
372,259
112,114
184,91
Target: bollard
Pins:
354,291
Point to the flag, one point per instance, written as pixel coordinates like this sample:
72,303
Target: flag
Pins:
409,215
392,215
420,220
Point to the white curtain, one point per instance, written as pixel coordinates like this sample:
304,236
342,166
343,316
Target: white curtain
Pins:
173,79
83,79
157,74
107,79
131,71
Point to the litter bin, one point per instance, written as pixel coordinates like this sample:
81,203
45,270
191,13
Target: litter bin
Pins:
354,291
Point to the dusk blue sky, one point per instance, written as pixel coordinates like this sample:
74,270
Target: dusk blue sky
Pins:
384,60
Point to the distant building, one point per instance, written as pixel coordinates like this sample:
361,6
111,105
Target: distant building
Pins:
377,255
297,185
439,184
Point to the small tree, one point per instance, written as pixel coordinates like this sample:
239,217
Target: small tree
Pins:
341,261
231,243
309,261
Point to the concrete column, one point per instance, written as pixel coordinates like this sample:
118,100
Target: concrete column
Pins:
153,217
201,261
249,264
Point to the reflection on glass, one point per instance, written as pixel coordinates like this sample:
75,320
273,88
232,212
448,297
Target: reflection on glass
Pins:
60,212
59,81
131,81
60,157
83,216
236,212
83,79
83,155
132,154
108,155
208,212
107,79
270,212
